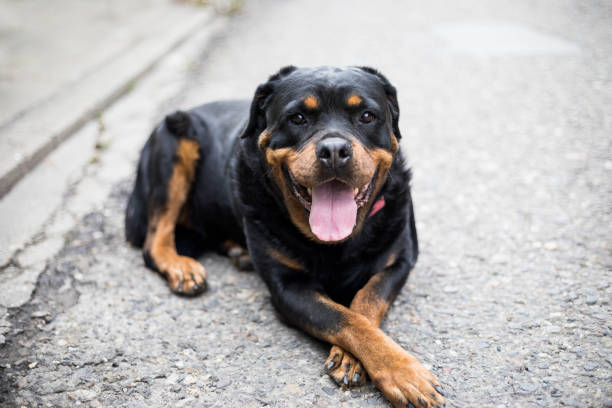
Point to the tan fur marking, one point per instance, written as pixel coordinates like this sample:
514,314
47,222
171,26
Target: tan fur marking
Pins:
284,259
391,260
368,303
276,158
160,235
264,140
394,143
369,161
311,102
354,100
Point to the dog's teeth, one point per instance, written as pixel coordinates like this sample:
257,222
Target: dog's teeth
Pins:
309,190
356,190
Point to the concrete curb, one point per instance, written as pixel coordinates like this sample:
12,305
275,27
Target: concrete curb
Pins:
28,140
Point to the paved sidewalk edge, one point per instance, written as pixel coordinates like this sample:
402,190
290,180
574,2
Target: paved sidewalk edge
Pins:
122,73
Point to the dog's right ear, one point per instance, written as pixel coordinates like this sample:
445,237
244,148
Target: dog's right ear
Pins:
257,115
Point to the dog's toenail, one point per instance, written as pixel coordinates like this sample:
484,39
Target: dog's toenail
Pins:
356,377
345,380
234,252
439,389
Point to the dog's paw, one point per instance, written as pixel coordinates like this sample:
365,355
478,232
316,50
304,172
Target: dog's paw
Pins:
344,369
239,256
405,382
185,275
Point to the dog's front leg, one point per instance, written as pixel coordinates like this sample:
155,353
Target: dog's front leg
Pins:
372,302
399,375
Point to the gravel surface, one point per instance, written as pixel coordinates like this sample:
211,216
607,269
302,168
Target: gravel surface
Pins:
509,304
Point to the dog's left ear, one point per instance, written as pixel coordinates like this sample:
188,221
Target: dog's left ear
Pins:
257,116
391,98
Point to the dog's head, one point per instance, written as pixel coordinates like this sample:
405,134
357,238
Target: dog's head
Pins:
327,137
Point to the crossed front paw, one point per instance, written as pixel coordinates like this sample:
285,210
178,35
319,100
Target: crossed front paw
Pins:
406,382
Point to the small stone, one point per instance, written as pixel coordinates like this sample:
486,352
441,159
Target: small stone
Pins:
499,259
571,296
579,351
498,348
450,289
329,390
32,365
292,389
483,344
22,382
590,366
552,329
84,395
527,388
555,393
550,246
590,300
175,388
190,379
40,313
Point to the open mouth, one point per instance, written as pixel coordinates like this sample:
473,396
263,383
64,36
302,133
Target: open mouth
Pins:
304,194
333,206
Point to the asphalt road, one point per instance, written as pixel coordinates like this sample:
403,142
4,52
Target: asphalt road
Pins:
506,120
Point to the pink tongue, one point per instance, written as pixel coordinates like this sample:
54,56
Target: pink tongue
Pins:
333,211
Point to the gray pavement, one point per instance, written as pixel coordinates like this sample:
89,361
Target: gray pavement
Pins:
506,121
63,62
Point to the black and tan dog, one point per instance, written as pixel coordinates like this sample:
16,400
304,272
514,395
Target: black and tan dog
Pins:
311,180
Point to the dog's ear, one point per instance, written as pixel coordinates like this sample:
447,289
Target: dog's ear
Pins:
391,98
257,115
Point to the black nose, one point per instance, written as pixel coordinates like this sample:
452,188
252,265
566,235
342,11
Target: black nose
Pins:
334,152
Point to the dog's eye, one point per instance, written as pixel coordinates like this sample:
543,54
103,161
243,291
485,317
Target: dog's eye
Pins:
297,119
367,117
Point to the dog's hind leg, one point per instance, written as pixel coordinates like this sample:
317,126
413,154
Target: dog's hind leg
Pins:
238,255
185,275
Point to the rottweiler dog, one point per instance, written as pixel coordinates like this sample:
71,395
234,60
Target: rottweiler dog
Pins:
309,176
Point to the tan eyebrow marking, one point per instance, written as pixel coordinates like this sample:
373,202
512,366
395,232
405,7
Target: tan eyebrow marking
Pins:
354,100
311,102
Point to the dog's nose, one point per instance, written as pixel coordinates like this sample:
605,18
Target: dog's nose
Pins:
334,152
